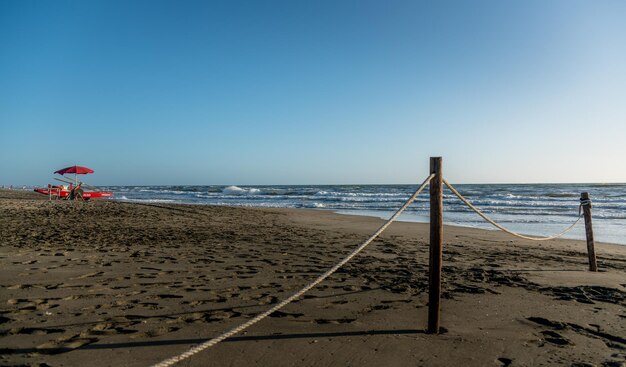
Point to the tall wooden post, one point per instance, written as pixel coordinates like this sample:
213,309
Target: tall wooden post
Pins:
591,251
436,238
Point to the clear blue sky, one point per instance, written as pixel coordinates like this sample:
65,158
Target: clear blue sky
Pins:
306,92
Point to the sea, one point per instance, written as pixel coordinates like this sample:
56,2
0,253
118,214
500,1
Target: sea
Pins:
533,209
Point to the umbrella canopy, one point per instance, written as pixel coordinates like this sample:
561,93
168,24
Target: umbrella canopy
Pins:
75,169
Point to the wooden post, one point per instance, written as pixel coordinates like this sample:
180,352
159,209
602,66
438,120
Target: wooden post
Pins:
591,252
436,238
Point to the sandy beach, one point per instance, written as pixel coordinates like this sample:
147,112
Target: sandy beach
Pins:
107,283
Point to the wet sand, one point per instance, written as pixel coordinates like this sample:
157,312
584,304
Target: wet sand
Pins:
108,284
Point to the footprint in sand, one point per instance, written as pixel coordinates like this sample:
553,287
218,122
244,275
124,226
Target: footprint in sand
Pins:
33,331
108,328
90,275
505,362
165,296
150,305
156,332
64,344
281,314
19,286
334,321
555,338
14,301
210,316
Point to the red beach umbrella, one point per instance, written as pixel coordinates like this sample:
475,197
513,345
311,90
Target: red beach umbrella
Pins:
75,170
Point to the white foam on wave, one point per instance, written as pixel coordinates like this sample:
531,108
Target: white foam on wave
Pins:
164,191
124,198
236,190
361,194
155,200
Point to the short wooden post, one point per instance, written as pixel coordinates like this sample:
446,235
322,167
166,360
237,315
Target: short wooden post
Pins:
436,238
591,251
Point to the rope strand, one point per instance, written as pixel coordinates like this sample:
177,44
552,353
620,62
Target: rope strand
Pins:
197,349
532,238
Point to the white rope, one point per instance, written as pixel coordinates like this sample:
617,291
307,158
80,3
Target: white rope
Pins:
209,343
509,231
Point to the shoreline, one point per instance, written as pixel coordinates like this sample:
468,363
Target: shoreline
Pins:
112,283
487,226
607,229
384,215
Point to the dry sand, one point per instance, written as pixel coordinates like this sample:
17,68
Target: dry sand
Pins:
116,284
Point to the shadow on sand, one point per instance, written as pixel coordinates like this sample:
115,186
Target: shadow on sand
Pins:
157,343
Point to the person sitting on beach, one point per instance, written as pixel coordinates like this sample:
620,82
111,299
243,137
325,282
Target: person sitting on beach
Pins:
76,193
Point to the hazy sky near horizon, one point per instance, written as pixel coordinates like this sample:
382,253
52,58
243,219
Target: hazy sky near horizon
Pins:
313,92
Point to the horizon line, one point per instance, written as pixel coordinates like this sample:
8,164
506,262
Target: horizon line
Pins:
6,186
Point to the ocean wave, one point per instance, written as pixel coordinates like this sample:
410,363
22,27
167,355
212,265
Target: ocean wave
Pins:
236,190
522,203
165,191
562,194
135,200
360,194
